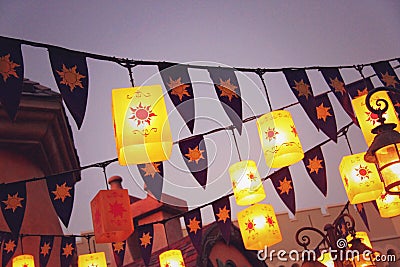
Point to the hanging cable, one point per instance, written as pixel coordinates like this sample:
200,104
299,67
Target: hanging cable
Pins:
22,243
347,141
236,143
88,241
260,74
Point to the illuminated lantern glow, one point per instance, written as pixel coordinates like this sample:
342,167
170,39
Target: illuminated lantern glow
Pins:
326,259
279,139
141,125
23,260
259,226
171,258
388,205
246,182
360,179
111,216
95,259
361,235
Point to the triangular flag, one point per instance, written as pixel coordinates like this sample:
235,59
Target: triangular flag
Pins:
195,155
146,239
13,204
222,214
61,190
11,75
67,250
359,88
314,163
152,174
361,210
194,227
300,85
46,246
179,87
71,74
283,184
10,243
118,249
228,91
326,116
344,230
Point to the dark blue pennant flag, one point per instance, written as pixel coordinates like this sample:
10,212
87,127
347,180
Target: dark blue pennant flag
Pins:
228,90
314,163
10,243
179,87
326,116
361,210
13,203
300,85
61,190
343,229
222,214
71,74
359,88
195,155
119,252
283,184
67,250
46,246
194,227
152,174
11,75
146,239
335,81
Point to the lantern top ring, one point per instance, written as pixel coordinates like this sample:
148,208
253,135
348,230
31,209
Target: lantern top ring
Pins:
382,104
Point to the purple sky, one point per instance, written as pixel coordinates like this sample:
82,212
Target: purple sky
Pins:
235,33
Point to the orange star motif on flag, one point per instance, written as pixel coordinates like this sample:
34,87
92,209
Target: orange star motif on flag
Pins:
7,67
118,246
178,88
389,80
9,246
13,202
271,134
45,249
195,154
337,85
270,221
70,77
285,186
223,214
151,169
194,225
67,250
323,112
314,164
294,131
145,240
62,192
302,88
363,172
142,114
227,89
250,225
360,207
362,92
117,209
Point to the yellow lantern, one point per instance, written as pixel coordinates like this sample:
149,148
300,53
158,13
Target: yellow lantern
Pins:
95,259
141,126
369,120
259,226
111,216
279,140
326,259
363,236
171,258
246,182
388,205
360,178
23,261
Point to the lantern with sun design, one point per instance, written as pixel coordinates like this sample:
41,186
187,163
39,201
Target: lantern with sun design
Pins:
279,139
141,126
326,259
360,178
23,260
94,259
111,216
246,182
388,205
259,226
363,236
171,258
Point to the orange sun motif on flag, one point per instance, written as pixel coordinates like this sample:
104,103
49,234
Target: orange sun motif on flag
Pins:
9,246
271,134
372,117
195,154
323,112
142,114
250,225
362,92
145,240
314,165
389,80
302,88
13,202
270,221
62,192
294,131
45,249
151,169
363,172
338,85
227,89
7,67
223,214
178,88
118,246
117,209
285,186
70,77
194,225
67,250
360,207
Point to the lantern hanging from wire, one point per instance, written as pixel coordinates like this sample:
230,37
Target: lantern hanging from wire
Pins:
388,205
94,259
171,258
23,261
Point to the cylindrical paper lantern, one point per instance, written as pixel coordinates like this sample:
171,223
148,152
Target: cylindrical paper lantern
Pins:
246,183
95,259
279,140
388,163
388,205
361,235
171,258
259,226
111,215
326,259
360,178
141,126
23,260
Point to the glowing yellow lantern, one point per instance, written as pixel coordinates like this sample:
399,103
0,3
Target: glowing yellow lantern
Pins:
23,261
369,120
279,140
246,182
326,259
363,236
111,216
171,258
388,205
95,259
141,126
360,178
259,226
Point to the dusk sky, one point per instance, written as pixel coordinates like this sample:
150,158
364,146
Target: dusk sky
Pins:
270,34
